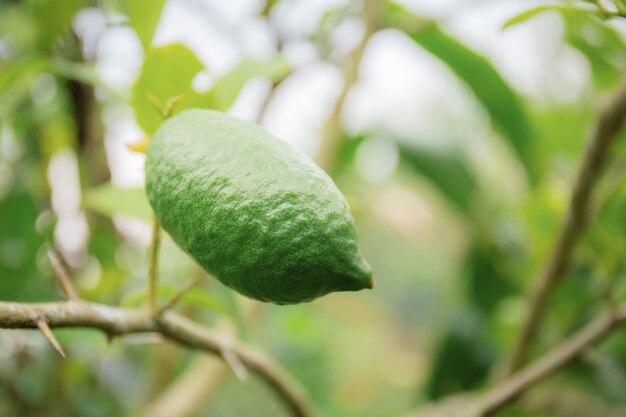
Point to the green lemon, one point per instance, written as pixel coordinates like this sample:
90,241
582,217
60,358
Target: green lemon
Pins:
262,218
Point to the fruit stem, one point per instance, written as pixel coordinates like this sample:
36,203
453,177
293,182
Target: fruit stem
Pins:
371,284
153,267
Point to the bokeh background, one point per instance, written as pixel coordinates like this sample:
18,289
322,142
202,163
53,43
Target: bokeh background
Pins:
455,141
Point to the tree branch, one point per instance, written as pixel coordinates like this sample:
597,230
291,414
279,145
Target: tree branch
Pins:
329,146
494,399
503,393
559,401
116,321
610,122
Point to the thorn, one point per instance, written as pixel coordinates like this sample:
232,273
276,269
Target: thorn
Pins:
45,329
233,361
177,297
62,276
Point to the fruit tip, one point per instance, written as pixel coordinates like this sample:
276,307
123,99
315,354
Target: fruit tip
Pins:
371,284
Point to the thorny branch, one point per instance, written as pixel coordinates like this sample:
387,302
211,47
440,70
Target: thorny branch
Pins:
115,321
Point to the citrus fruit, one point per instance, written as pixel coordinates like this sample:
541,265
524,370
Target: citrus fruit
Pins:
253,212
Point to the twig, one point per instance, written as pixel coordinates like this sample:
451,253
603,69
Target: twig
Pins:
189,391
116,321
610,122
154,267
267,100
45,329
62,276
564,402
179,294
327,154
494,399
621,9
503,393
197,383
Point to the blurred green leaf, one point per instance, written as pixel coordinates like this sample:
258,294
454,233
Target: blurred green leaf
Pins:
562,129
492,91
167,73
563,8
16,80
601,44
487,283
144,18
504,106
109,200
166,79
84,73
448,171
19,244
227,88
462,359
53,19
17,26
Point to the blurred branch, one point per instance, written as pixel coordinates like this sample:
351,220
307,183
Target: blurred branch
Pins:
115,321
178,295
189,391
610,122
494,399
327,154
195,384
62,276
571,403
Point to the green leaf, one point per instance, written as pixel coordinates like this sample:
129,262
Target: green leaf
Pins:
110,200
53,19
504,106
463,357
563,8
447,170
165,83
167,73
601,44
20,245
227,88
491,90
144,17
16,80
487,284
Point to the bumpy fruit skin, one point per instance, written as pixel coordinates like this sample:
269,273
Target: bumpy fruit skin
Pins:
253,212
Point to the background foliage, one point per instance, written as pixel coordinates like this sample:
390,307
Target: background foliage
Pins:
456,212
